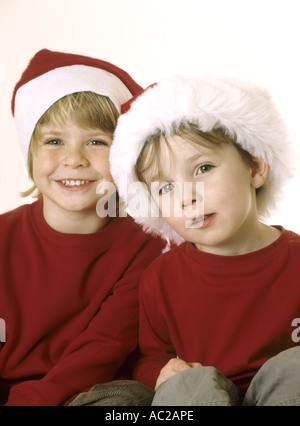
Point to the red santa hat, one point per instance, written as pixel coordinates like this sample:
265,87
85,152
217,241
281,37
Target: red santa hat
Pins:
244,111
51,75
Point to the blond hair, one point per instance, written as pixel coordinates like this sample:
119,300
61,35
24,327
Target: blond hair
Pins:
86,109
149,159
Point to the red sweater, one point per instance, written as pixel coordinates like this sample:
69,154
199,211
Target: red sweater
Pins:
229,312
70,305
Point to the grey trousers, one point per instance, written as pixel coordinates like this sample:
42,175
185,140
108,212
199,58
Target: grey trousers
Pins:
118,393
276,383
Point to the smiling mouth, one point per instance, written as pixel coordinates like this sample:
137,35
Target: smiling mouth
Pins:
70,182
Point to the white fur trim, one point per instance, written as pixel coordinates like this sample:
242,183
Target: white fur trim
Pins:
246,112
35,97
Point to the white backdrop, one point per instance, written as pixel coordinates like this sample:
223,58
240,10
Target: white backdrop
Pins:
257,40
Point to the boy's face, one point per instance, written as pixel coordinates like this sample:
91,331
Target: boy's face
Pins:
69,164
224,205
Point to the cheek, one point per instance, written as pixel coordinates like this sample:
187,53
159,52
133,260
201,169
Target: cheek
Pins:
173,214
104,169
234,197
167,206
100,163
43,165
228,186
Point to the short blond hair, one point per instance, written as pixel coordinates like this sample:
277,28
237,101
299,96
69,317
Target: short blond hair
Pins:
149,159
86,109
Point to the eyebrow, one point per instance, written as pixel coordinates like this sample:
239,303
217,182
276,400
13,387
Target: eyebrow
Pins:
57,133
51,133
160,178
195,157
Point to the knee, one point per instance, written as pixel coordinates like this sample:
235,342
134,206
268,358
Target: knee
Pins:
277,381
117,393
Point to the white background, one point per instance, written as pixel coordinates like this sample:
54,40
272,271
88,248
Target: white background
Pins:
256,40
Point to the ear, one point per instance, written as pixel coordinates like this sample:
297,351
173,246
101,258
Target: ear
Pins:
259,172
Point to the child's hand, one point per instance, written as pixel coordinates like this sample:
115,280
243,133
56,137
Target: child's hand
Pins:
174,366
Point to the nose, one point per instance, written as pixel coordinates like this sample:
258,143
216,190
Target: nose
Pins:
189,195
75,158
192,198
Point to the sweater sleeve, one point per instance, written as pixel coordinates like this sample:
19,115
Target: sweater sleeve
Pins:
154,341
97,353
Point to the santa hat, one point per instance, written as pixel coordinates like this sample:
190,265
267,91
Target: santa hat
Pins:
51,75
244,111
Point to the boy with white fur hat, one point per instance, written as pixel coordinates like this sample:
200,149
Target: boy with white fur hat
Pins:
217,312
68,277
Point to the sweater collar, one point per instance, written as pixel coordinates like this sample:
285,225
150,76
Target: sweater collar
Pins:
216,261
102,238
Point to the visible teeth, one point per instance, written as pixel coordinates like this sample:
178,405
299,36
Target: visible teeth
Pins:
74,182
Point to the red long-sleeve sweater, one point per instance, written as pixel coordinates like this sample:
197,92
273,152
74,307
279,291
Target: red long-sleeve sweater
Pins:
69,303
232,313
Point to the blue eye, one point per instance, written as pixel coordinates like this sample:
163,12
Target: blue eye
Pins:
54,142
98,143
204,169
167,187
